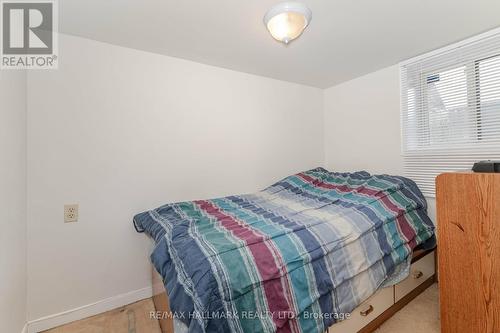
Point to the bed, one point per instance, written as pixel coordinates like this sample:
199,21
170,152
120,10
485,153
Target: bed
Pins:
298,256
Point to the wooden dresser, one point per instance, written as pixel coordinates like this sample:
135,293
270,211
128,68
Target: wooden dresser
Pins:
468,209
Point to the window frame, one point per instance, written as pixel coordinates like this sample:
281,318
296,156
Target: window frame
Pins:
425,157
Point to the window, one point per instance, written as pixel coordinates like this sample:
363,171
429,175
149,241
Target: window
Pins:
450,112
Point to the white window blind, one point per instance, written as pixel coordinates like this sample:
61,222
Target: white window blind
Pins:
450,112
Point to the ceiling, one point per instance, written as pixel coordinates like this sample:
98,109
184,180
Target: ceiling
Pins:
346,38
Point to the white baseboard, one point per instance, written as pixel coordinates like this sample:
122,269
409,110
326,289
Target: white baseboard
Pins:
89,310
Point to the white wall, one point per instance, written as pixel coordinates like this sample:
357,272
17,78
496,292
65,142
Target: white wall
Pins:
362,125
120,131
12,201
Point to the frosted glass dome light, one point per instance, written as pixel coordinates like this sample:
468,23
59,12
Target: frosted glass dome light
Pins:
287,20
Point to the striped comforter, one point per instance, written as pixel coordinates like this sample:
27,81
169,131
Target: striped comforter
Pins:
294,257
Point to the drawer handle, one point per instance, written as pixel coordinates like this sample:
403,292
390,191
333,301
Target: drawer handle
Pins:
417,275
366,312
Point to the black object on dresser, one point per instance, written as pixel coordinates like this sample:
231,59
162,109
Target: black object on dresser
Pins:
486,166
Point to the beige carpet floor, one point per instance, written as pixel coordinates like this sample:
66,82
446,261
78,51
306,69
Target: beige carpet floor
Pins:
419,316
132,318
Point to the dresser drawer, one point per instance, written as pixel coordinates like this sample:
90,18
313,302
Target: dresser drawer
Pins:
366,312
420,271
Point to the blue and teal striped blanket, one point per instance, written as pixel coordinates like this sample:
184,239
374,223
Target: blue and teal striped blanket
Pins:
294,257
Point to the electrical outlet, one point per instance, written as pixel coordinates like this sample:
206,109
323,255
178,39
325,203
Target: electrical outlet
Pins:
70,213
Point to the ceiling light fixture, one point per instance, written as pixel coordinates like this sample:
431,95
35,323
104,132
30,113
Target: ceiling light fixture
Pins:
286,20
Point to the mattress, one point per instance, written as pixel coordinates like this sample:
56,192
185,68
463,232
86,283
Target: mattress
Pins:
295,257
